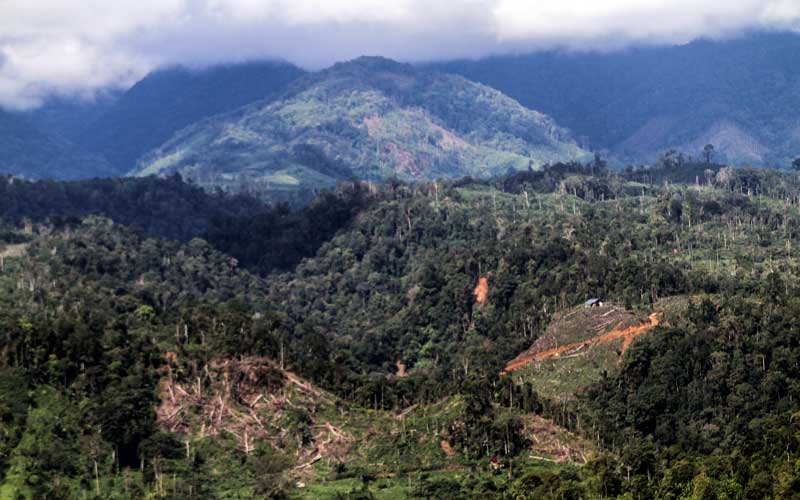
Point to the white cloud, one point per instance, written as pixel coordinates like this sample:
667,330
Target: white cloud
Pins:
75,46
580,22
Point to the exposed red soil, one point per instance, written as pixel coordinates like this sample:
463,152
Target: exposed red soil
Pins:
626,334
481,291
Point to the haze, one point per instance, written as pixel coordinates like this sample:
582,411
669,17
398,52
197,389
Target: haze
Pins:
71,47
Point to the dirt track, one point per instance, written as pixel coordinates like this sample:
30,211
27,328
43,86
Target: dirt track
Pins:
627,334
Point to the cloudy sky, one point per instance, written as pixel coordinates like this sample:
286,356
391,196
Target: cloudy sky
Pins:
78,46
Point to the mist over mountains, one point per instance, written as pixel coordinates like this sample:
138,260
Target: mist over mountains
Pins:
631,106
740,95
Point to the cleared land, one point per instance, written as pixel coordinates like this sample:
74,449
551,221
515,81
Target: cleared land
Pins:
582,343
626,334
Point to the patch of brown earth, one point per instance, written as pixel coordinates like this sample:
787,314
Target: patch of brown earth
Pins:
626,334
481,291
553,443
13,250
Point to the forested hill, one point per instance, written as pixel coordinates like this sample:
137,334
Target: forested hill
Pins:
263,237
167,100
168,208
371,368
371,118
26,150
72,137
738,94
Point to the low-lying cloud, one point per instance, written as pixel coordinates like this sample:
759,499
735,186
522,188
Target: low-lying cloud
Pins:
79,46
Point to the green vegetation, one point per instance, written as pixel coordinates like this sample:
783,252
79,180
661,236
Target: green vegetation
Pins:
262,237
165,101
29,152
371,118
367,362
737,94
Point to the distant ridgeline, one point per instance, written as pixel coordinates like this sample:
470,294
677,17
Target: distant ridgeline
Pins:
266,237
262,236
271,130
738,94
370,118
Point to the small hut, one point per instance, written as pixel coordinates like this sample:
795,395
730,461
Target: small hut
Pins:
593,303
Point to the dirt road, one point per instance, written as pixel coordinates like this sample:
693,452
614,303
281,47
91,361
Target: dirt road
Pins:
627,334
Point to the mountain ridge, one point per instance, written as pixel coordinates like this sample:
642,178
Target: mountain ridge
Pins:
371,117
27,151
609,99
169,99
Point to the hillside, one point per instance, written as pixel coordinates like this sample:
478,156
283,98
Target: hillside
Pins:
737,94
262,237
167,100
578,346
182,339
68,116
73,138
370,365
27,151
372,118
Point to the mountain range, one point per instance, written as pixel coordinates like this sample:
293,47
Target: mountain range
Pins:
168,100
273,125
739,95
371,118
27,150
69,138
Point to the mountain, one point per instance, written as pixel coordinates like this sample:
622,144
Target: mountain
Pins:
68,116
739,95
372,118
167,100
27,151
72,138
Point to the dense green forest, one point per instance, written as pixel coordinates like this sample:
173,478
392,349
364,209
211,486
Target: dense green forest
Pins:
262,236
163,342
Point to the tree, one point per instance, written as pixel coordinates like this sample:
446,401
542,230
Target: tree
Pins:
709,174
599,165
47,461
670,159
708,152
268,467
